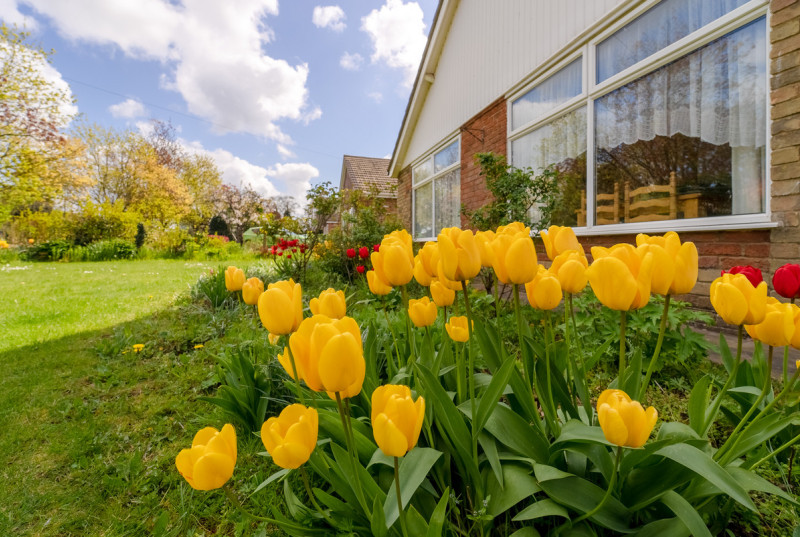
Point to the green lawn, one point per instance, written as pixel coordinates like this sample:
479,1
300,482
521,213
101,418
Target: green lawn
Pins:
91,429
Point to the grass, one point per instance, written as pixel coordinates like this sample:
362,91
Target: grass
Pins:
91,429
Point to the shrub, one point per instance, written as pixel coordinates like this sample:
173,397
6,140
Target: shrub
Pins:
141,235
104,221
109,250
218,226
53,250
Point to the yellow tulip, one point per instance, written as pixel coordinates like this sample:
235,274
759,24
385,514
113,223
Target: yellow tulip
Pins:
514,257
621,280
444,280
624,422
377,286
234,278
394,261
458,253
422,312
559,239
209,463
280,307
273,339
484,240
443,296
251,290
457,329
330,303
777,329
736,300
513,228
328,355
292,436
678,275
420,274
544,291
429,255
796,337
570,269
396,419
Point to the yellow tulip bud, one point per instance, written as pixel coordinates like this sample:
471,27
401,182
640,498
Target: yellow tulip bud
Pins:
796,337
280,307
396,419
328,355
621,280
514,228
330,303
457,329
675,264
273,339
429,255
422,312
736,300
484,240
777,328
544,291
444,280
624,422
234,278
376,286
559,239
292,436
459,254
420,274
209,463
392,264
570,269
251,290
443,296
522,263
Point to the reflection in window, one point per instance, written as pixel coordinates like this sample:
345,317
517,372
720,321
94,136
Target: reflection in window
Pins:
659,27
558,89
446,157
687,140
437,198
423,211
562,145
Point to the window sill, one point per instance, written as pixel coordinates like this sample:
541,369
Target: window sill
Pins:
757,222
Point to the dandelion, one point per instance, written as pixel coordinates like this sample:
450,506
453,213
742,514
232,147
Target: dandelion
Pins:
138,347
199,346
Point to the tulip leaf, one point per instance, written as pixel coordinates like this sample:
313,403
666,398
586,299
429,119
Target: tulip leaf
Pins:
492,394
752,481
582,496
698,403
686,513
519,485
577,431
379,457
417,525
378,523
725,353
703,465
489,446
270,479
414,468
344,465
541,508
761,431
436,523
666,526
510,429
526,532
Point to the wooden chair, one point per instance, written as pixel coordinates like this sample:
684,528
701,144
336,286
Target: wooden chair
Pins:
644,204
606,207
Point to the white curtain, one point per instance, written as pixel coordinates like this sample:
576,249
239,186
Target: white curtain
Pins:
563,138
717,94
559,88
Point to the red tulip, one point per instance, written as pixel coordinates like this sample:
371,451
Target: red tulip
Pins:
280,253
361,269
753,274
786,281
288,256
363,252
376,248
351,253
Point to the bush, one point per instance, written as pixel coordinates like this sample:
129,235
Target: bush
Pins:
141,235
101,222
109,250
218,226
54,250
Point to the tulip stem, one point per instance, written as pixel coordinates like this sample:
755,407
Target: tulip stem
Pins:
399,499
352,452
496,290
581,369
392,370
731,377
606,496
775,453
294,372
651,367
471,372
553,412
238,505
409,330
571,367
785,365
460,373
518,314
623,321
311,497
733,439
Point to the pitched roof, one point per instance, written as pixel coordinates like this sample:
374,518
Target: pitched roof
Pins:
366,173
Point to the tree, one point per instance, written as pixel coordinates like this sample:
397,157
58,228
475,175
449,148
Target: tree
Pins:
203,180
285,205
33,112
240,206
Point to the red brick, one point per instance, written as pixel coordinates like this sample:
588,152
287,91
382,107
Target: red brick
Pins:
708,261
719,249
757,250
727,262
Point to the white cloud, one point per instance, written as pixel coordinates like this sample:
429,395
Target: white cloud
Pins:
296,178
285,152
129,108
11,15
398,36
351,62
212,52
376,96
329,17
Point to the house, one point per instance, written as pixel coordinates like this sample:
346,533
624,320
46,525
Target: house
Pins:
658,115
368,175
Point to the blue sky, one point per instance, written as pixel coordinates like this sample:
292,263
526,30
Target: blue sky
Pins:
276,92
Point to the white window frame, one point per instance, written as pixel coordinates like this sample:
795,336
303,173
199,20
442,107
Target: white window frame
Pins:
414,186
729,22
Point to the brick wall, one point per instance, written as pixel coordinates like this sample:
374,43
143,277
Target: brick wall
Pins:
404,198
785,143
481,134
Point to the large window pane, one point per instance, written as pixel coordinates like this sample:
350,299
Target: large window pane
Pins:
687,140
446,157
559,88
423,171
423,211
448,200
561,145
662,25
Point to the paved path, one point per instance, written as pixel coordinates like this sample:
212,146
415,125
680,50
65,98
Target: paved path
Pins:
712,335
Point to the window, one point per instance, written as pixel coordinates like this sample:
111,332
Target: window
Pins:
685,140
437,192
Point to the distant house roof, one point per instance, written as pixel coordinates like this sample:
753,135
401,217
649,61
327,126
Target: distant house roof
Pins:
366,172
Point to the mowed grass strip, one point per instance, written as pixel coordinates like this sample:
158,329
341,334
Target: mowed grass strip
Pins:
91,428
